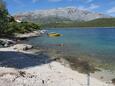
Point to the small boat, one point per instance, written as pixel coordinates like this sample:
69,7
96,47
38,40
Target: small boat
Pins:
53,34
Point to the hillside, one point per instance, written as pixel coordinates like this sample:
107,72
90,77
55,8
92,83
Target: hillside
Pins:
101,22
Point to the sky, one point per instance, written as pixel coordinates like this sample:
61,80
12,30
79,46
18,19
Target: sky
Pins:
100,6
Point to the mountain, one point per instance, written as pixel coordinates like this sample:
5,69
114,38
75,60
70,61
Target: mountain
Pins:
60,15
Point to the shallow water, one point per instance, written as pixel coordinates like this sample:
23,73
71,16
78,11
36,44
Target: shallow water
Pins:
88,43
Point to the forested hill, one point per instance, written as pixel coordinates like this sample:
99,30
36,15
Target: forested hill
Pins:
101,22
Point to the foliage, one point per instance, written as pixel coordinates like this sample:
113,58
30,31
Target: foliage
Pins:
3,17
23,27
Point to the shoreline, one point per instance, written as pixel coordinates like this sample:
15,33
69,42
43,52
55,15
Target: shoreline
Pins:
98,72
49,73
104,75
25,64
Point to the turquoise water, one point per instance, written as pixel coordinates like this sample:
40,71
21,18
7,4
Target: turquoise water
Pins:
92,43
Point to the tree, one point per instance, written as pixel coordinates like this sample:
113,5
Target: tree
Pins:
8,25
4,20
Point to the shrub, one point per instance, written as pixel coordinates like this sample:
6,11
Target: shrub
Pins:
23,27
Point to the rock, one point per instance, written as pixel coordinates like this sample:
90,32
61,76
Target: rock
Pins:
43,31
6,42
22,47
113,81
27,35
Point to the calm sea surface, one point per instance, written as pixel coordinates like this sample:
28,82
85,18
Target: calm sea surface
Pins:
87,43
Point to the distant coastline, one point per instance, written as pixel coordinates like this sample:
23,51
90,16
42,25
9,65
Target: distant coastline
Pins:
100,22
78,27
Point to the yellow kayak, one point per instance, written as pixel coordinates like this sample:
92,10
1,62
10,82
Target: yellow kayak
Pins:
54,35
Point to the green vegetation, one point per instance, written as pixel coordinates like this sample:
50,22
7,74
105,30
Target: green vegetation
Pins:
8,25
3,17
23,27
102,22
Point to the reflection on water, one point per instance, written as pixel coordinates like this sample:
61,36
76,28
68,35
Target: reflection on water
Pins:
98,43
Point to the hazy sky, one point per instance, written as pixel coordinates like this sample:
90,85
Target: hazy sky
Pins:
101,6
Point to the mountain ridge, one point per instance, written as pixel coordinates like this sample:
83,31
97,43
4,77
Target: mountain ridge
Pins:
60,14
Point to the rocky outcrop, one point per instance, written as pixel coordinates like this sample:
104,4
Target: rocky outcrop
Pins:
28,35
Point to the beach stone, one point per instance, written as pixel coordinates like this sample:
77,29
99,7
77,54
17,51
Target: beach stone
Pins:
22,47
6,42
